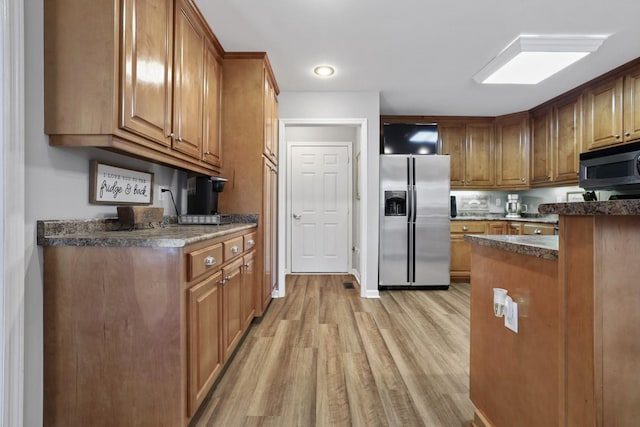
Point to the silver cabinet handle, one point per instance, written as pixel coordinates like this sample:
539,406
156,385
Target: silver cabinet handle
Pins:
225,280
616,136
297,216
627,134
209,261
522,179
171,135
234,249
537,231
465,228
251,242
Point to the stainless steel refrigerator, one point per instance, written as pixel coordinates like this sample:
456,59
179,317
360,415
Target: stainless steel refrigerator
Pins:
414,221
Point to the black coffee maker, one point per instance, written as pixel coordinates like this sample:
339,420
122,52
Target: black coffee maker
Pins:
202,194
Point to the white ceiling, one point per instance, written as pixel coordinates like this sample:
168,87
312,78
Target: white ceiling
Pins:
421,55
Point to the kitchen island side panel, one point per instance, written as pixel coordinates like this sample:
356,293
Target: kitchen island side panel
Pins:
112,336
516,379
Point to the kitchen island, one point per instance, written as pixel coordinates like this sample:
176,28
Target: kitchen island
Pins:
575,360
140,324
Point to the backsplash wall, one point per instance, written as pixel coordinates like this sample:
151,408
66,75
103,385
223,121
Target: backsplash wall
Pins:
493,202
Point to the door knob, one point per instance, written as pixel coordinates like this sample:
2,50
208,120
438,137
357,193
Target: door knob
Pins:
297,216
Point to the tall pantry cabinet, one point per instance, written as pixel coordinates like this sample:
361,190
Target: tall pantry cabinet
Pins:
250,135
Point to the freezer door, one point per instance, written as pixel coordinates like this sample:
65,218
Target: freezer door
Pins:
394,250
432,230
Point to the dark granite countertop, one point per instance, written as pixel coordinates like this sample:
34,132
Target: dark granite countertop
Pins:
612,207
538,246
551,219
108,232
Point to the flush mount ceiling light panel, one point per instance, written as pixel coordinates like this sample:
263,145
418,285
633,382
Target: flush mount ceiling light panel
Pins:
324,71
530,59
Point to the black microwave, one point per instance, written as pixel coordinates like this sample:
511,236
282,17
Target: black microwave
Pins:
614,168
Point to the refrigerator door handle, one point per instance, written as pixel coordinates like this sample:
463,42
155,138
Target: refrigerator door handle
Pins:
414,198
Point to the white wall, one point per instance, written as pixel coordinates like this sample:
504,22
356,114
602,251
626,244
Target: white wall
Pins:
348,105
57,187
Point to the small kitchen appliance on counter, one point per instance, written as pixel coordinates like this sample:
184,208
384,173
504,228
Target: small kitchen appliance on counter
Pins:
513,207
202,200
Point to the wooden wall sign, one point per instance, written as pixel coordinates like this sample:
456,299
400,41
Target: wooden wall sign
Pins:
113,185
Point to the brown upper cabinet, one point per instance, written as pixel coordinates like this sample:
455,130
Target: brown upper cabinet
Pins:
118,76
512,150
270,119
212,142
541,130
612,111
556,140
470,143
188,81
566,140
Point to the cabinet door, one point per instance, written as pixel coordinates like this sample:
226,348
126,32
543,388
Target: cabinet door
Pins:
541,147
188,82
204,311
248,292
270,120
497,227
452,142
269,194
145,74
567,141
632,105
232,323
274,125
460,249
512,151
274,230
479,161
211,143
603,118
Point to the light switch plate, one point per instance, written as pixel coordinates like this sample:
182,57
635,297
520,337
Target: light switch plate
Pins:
511,315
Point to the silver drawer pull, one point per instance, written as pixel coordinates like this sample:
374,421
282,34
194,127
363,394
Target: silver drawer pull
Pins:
465,228
537,231
209,261
251,242
234,249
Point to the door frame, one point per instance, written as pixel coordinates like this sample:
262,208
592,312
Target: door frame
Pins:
361,126
12,212
289,199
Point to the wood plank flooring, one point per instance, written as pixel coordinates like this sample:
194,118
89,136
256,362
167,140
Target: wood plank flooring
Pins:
323,356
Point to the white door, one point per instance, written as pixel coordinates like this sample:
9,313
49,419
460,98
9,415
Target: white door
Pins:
320,198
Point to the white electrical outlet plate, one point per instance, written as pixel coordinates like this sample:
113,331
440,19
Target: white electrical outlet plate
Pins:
511,315
498,202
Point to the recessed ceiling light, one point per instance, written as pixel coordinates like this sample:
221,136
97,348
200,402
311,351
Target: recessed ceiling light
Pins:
531,59
324,70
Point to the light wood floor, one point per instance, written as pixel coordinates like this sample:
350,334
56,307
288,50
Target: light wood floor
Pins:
323,356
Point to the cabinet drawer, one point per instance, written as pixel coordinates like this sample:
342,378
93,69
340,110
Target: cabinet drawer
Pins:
205,260
249,241
538,229
232,248
468,227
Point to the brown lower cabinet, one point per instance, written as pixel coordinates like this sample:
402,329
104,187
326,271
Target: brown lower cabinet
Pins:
139,335
461,250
